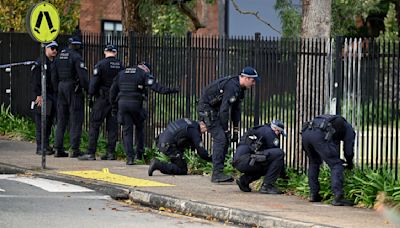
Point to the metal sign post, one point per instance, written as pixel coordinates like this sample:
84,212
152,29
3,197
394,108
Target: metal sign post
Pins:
38,17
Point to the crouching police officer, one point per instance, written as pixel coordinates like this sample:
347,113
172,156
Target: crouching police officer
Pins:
70,77
259,154
104,73
321,141
177,137
127,94
220,97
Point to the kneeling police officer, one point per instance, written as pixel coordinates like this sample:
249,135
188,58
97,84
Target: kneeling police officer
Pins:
259,154
321,141
173,141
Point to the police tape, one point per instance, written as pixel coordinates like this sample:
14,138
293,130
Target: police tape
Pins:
26,63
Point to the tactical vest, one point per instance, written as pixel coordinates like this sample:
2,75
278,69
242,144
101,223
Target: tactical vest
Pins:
131,85
215,91
176,132
111,69
65,66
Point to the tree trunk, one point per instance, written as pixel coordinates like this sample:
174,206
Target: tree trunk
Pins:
131,20
315,31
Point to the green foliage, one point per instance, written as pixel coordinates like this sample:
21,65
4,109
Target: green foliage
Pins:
290,18
362,186
14,126
13,13
168,20
391,25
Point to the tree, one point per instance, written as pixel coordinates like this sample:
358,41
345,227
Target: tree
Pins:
13,13
161,16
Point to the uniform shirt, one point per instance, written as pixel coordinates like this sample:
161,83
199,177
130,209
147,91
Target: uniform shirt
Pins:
136,82
343,132
232,96
268,138
104,73
37,77
70,62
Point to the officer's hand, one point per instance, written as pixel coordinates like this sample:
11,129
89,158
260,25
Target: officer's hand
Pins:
90,101
235,137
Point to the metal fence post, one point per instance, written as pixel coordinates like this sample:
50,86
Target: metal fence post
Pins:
257,59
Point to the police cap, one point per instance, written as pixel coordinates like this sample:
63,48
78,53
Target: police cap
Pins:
52,44
278,125
250,72
75,40
111,48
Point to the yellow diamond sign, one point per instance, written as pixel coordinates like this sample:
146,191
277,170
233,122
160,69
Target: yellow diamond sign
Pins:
43,22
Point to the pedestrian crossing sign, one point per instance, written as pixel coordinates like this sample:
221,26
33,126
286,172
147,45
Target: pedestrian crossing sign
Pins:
43,22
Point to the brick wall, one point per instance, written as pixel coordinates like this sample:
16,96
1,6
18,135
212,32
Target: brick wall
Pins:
94,11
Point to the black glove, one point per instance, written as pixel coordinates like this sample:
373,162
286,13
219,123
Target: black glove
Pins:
90,101
349,166
176,89
235,137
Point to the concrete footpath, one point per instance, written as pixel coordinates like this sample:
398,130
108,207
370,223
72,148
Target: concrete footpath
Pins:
193,194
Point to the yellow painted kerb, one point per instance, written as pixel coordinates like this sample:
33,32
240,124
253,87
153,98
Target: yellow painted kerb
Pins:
106,176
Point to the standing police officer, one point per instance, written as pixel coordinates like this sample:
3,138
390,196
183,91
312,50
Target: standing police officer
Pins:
259,154
321,141
103,75
128,92
70,76
178,136
51,53
220,97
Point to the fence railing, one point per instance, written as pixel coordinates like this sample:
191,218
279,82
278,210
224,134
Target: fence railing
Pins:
356,78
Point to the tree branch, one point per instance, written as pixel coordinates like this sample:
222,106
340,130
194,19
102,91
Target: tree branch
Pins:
193,17
255,13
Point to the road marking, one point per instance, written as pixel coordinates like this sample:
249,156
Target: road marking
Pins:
106,176
103,197
2,190
45,184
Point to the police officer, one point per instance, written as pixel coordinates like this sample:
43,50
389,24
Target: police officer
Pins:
127,94
220,97
50,52
259,154
178,136
70,77
321,141
104,73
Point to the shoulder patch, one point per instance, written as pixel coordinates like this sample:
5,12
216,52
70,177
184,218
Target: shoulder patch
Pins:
276,142
82,65
95,71
232,99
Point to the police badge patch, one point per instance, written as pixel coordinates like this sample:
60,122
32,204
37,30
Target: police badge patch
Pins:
95,71
276,142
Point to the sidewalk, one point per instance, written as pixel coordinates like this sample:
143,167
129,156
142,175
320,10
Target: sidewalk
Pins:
197,195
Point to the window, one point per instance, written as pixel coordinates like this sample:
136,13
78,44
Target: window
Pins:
112,28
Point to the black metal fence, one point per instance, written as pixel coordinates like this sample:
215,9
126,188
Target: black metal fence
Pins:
356,78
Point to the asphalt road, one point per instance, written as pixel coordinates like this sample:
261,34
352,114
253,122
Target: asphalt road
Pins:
34,202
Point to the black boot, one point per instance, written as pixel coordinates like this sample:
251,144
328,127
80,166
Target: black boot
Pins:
269,189
75,154
108,156
219,176
60,154
48,152
87,157
244,187
153,166
315,197
130,161
340,201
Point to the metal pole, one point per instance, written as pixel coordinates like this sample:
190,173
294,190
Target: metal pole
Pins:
44,103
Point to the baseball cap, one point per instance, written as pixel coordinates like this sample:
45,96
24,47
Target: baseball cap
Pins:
110,47
250,72
277,124
52,44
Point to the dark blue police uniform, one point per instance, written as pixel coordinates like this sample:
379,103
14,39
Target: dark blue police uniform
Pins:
104,73
321,141
128,92
70,76
257,155
220,97
51,102
179,135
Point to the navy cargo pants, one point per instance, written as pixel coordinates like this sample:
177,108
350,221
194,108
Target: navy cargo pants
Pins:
318,149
